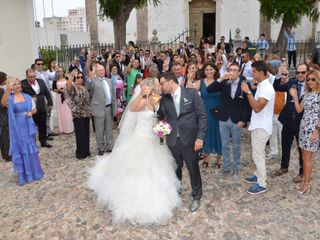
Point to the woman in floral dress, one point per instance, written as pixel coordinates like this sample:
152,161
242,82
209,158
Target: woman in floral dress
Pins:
80,108
309,126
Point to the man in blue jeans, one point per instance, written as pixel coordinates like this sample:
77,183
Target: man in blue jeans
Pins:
233,115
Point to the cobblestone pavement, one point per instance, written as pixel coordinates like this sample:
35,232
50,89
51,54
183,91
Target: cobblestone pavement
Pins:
61,207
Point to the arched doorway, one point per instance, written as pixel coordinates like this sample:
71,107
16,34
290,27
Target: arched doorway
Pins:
202,18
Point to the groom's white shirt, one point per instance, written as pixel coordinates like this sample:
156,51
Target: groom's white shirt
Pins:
176,99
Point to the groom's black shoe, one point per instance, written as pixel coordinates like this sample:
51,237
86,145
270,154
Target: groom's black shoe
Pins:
100,153
194,205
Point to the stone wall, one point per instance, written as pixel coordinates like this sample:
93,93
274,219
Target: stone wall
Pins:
51,37
170,18
232,14
18,43
105,28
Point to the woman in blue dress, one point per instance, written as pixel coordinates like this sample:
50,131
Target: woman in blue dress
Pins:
212,141
22,130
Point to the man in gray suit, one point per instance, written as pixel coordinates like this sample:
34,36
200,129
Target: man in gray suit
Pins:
184,110
103,107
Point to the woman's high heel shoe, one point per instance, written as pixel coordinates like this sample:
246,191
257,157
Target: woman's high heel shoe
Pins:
205,162
306,187
217,164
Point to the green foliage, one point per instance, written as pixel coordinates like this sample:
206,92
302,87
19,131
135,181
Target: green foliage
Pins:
48,54
290,11
112,8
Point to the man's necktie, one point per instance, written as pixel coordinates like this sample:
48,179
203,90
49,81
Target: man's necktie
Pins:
299,90
243,67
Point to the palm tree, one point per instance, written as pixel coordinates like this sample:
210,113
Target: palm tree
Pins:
290,12
119,11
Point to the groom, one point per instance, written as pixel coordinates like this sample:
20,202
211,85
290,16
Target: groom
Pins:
184,110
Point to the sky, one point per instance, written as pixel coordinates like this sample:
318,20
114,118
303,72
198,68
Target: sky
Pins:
60,7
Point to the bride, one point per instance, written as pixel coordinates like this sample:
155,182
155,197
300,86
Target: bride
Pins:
137,181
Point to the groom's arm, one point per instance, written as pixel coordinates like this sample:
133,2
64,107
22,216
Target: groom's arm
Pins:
201,115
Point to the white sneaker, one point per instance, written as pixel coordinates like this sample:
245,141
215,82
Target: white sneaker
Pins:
236,177
272,156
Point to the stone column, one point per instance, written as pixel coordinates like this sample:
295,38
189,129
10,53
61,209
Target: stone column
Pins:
142,25
92,21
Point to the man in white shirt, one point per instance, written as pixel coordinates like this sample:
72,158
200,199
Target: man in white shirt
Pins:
238,57
291,46
43,75
142,59
246,68
177,70
262,105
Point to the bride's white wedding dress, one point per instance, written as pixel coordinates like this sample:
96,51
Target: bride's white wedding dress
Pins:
137,181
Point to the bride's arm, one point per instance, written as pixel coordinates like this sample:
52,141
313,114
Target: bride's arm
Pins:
137,104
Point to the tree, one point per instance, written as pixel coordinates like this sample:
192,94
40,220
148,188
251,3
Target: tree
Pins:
119,11
290,12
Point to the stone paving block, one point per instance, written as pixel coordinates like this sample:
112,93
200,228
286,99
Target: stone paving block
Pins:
61,207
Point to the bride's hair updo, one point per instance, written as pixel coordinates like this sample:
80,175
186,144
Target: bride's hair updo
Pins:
151,83
11,80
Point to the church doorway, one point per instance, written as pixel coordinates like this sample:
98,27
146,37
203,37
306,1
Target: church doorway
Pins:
209,25
202,18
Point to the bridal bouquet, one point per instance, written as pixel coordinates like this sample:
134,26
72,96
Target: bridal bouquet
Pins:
162,129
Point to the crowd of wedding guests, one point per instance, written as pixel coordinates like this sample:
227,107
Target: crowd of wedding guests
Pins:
239,90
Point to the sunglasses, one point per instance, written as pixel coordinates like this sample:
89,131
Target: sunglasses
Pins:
232,70
79,77
311,79
39,64
303,72
284,74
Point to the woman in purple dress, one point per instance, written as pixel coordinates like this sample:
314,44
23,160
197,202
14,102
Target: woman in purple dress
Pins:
22,130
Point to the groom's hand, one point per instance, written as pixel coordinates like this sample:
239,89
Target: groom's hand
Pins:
198,145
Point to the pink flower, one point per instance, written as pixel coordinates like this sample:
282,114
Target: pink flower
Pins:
159,134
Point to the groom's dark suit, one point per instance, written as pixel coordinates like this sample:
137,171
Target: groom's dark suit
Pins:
191,124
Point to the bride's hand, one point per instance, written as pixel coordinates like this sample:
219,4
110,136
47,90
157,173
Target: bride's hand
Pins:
145,91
